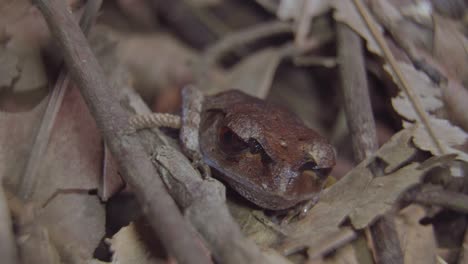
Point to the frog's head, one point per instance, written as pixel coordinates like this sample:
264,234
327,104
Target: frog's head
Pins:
263,151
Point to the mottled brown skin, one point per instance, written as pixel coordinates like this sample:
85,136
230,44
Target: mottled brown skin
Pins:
263,151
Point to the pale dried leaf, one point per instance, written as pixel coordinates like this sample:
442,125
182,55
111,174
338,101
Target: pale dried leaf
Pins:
417,240
128,247
428,92
346,12
381,194
254,75
448,134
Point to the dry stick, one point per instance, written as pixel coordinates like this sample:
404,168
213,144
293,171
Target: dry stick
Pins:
162,212
403,83
363,133
436,195
179,15
39,146
8,251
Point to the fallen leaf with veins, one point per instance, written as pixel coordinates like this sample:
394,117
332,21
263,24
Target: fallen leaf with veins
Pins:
430,97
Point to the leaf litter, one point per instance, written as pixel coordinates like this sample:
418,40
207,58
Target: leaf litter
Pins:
353,203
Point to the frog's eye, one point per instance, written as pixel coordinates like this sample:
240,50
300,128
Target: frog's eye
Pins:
230,142
311,168
256,148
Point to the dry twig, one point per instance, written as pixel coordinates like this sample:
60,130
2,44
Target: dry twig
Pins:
39,146
363,133
162,212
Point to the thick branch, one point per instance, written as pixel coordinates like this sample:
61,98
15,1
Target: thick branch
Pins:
363,133
112,120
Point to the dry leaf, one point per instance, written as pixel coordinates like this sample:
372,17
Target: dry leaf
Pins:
128,247
417,241
448,134
359,196
346,12
74,219
428,92
254,74
430,97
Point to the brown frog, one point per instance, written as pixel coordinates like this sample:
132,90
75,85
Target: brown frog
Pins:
263,151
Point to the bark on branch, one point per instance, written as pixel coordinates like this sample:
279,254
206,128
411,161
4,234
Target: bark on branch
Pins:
363,134
112,120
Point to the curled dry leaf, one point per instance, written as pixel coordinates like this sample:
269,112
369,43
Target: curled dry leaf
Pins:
358,196
430,95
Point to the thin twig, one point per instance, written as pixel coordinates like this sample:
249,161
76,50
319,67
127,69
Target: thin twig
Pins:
162,212
39,146
403,83
361,124
436,195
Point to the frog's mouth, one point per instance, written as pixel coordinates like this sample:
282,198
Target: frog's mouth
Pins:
249,170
